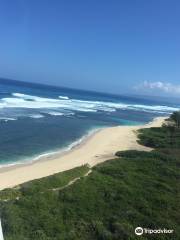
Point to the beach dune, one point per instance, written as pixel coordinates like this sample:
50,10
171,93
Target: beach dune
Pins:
97,148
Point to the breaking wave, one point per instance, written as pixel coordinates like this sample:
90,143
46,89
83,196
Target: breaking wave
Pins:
6,119
64,106
64,97
36,116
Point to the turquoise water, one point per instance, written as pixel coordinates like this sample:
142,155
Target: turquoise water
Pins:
37,119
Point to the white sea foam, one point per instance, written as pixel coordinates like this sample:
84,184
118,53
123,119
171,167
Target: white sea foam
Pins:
64,97
63,103
36,116
53,113
57,113
6,119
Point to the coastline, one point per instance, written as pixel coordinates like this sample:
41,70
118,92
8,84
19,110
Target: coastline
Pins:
48,154
95,148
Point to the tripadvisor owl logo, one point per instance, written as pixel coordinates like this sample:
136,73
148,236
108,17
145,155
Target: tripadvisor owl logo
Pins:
139,231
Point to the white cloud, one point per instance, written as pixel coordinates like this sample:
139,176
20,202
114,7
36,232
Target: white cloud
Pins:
159,86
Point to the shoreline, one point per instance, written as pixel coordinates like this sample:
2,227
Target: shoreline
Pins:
53,153
98,147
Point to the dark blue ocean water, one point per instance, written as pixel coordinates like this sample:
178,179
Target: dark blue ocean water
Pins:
37,119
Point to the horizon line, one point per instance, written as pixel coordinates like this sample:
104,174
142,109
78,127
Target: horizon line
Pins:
86,90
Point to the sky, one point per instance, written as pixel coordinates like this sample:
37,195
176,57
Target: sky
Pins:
116,46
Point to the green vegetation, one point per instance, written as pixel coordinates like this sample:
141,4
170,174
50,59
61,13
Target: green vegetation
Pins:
56,181
135,189
175,118
160,138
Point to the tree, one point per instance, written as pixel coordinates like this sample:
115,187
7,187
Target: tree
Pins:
172,131
175,117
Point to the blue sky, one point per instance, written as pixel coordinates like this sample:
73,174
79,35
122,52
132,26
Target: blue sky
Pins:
118,46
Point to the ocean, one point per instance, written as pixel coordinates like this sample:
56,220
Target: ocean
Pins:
39,119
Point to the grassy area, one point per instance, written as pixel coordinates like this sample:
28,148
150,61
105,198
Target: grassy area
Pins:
44,184
137,189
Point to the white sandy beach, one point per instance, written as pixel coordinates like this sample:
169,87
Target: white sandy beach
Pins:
97,148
